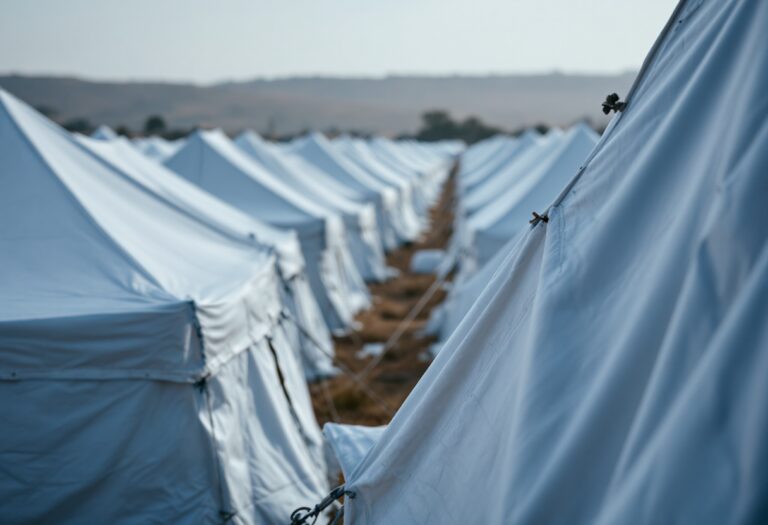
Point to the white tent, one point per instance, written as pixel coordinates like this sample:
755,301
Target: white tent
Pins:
144,371
359,216
425,161
486,191
210,160
104,133
157,148
178,192
318,151
509,212
389,154
452,148
479,153
495,226
614,371
410,224
432,159
496,164
462,294
475,164
434,165
472,175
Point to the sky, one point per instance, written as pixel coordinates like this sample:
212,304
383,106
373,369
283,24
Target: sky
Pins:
209,41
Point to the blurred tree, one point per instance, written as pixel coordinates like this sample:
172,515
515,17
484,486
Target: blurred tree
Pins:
79,125
154,125
438,125
332,132
178,133
473,130
47,111
360,134
124,131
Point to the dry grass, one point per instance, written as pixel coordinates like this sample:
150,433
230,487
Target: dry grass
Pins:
400,369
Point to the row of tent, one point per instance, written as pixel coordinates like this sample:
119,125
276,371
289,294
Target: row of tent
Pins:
611,364
159,321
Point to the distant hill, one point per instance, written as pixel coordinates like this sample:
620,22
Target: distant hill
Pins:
387,105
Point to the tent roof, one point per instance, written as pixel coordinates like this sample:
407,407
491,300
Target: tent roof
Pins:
179,192
213,162
157,148
533,191
484,193
104,133
359,152
80,238
319,151
502,156
301,175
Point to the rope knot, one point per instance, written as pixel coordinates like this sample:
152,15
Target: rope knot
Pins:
612,103
536,218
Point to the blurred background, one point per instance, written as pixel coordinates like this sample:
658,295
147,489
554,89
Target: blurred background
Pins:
426,68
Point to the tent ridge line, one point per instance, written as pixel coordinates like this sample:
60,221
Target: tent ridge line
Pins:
76,201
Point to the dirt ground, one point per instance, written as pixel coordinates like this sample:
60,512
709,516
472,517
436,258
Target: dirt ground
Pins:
342,399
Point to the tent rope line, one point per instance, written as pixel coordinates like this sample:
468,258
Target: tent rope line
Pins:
402,327
406,322
344,368
329,400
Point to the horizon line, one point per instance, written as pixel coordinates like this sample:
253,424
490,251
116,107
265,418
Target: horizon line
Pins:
312,76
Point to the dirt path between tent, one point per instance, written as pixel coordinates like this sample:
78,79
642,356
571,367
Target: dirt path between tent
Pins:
340,399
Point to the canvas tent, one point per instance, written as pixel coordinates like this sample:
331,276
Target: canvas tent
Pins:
487,190
104,133
485,234
409,223
493,225
480,152
434,166
614,371
211,161
485,165
318,151
431,155
462,294
479,191
359,216
145,373
451,148
317,347
473,174
157,148
389,154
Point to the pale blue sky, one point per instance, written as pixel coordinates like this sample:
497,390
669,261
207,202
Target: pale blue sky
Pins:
213,40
